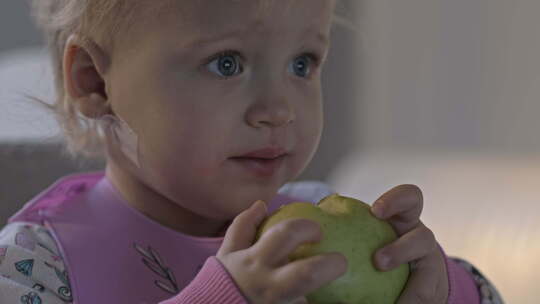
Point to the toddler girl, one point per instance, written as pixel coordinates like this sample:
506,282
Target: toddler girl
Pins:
205,112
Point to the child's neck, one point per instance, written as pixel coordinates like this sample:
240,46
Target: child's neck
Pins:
159,208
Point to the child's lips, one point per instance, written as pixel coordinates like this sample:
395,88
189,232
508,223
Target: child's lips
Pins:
269,152
260,166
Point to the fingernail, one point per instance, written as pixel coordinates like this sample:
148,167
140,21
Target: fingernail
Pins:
264,206
384,261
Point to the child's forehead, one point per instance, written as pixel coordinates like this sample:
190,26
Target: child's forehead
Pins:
182,25
263,16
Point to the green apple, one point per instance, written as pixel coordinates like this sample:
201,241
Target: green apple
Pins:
349,228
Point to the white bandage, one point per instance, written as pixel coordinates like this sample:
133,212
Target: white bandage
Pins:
123,135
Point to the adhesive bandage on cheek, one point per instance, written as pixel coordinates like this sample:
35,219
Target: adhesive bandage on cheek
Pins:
123,135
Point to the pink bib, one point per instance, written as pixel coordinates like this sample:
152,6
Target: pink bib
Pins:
112,252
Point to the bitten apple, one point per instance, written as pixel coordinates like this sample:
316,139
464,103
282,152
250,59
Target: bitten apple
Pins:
349,228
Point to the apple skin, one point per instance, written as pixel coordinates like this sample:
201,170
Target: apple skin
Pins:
349,228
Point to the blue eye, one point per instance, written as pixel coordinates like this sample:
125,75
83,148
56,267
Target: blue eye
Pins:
301,64
226,64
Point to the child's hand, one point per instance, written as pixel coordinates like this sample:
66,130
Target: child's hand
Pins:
428,281
262,271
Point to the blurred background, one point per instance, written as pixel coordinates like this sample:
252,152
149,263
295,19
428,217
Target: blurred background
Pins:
441,94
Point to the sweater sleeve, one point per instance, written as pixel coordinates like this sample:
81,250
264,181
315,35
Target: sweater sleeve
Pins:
31,270
213,284
467,285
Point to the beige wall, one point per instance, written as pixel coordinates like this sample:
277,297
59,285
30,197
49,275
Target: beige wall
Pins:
456,74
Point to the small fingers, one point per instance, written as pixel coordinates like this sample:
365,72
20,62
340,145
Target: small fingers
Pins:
304,276
242,231
426,284
413,245
281,240
401,207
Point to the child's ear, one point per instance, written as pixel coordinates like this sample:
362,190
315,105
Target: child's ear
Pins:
84,67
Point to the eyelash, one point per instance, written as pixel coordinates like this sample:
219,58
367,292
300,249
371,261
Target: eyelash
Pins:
315,59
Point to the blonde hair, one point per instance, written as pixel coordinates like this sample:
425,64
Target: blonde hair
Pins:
100,20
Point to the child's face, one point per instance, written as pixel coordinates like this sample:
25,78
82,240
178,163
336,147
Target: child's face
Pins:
192,114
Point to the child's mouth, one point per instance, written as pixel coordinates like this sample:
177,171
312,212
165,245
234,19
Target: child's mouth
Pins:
262,167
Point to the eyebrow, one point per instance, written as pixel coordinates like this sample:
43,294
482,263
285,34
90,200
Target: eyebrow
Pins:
202,42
